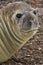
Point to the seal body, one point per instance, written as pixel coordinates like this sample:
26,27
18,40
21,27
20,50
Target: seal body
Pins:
18,23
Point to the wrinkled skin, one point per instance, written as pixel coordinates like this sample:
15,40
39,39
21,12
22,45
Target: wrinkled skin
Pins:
18,23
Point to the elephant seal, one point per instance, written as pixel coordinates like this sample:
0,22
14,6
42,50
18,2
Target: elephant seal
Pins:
18,23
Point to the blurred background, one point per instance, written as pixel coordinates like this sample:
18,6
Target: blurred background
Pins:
32,52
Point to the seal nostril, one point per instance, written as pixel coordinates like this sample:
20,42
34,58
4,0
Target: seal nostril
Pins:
19,15
34,12
29,23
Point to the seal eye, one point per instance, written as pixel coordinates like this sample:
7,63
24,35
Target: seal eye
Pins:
19,15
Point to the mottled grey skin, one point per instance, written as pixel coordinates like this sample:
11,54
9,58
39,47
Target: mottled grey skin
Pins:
14,31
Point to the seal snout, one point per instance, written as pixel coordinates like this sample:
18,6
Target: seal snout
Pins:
27,23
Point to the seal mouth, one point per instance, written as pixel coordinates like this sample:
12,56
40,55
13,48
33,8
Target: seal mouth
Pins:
30,30
26,31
